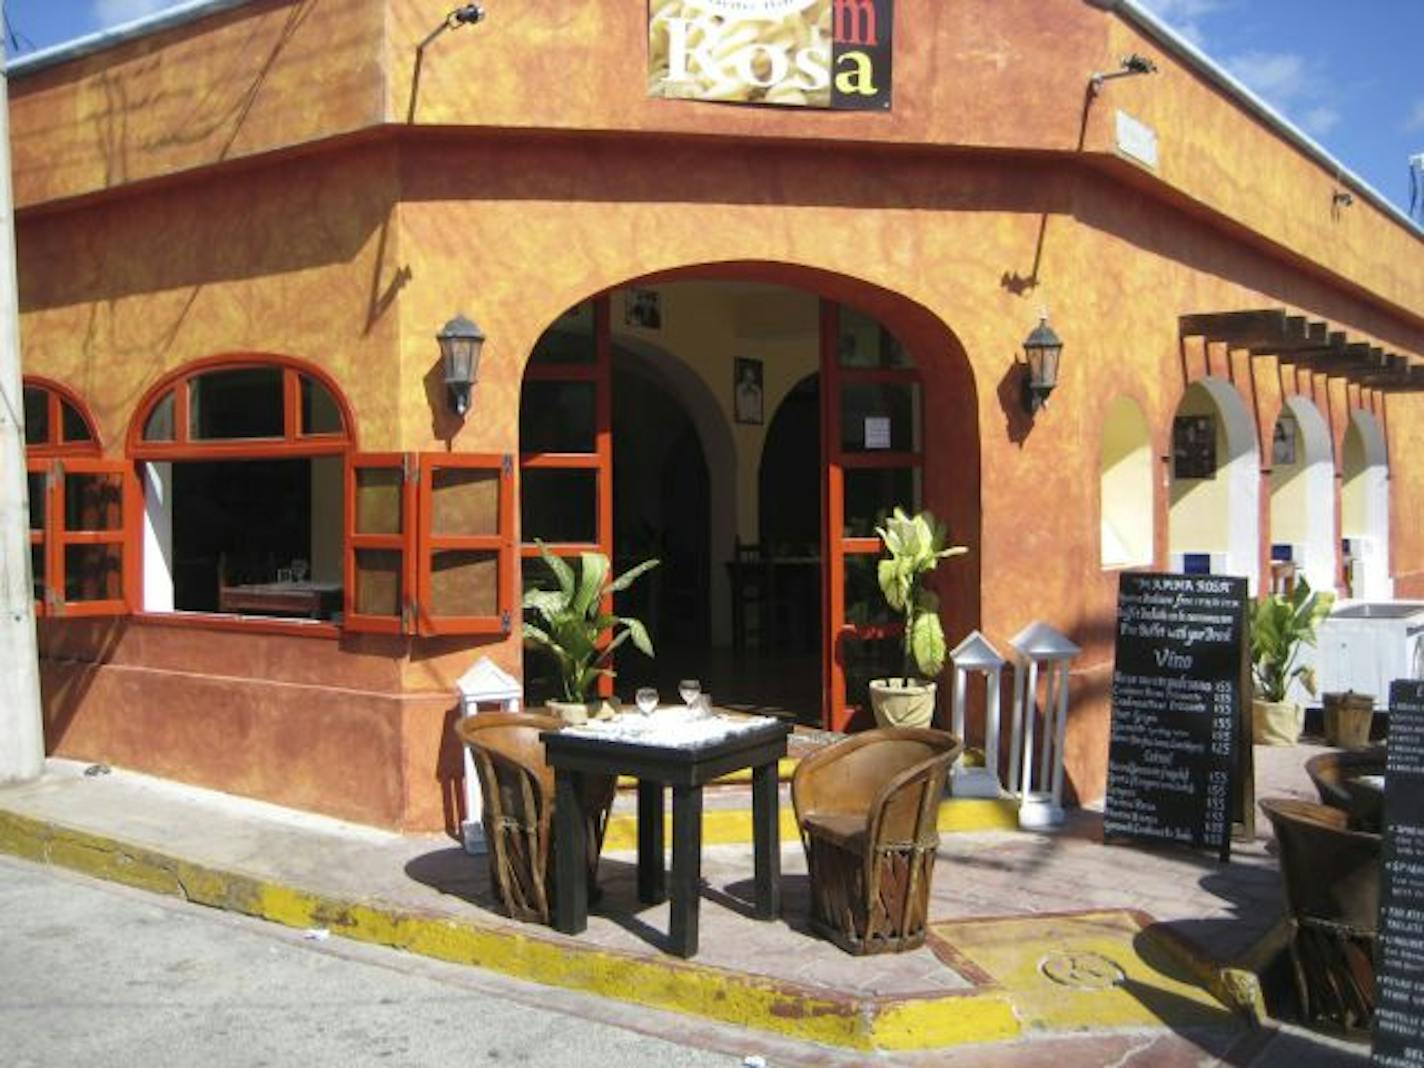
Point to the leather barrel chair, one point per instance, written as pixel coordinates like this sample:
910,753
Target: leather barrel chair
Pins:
867,809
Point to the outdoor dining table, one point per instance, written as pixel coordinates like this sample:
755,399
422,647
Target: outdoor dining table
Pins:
573,753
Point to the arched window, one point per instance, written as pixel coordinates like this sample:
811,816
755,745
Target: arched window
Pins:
256,504
56,421
242,465
76,506
1126,486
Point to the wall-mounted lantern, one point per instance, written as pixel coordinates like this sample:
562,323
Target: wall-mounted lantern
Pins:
1042,350
460,344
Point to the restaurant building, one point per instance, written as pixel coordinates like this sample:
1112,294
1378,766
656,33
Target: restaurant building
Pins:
748,274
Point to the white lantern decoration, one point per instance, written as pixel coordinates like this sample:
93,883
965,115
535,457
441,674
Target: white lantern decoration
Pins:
975,655
1042,656
483,684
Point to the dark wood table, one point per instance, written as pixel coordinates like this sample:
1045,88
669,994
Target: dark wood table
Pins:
315,600
686,770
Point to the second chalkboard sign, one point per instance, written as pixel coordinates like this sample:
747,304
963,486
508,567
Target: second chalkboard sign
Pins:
1180,746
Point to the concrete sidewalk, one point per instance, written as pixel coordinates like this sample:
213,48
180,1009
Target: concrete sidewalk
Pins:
1032,935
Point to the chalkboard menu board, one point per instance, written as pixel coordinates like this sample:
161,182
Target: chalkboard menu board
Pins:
1175,759
1399,1011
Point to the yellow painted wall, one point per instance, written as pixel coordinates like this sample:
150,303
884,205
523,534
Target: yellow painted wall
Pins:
1290,497
1200,507
1127,486
1354,504
707,326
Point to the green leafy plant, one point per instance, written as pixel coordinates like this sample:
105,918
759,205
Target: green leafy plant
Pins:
916,545
572,622
1280,625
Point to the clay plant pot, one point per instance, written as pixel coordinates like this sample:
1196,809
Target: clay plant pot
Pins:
902,702
1276,722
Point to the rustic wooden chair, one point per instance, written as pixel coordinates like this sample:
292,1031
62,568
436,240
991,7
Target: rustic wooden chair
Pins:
1335,777
867,809
1332,883
517,785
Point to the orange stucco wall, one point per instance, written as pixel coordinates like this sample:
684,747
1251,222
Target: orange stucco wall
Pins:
351,252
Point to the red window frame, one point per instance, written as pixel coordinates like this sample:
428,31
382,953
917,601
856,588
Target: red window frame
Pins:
293,444
431,543
837,712
600,460
60,537
404,542
44,458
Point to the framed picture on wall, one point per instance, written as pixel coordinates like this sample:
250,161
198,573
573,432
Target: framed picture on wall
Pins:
644,308
1194,446
747,390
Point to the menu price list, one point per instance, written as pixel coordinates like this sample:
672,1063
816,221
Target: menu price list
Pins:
1399,1011
1175,708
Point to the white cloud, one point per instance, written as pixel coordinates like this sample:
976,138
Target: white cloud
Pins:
1280,77
1319,121
1183,16
108,13
1416,117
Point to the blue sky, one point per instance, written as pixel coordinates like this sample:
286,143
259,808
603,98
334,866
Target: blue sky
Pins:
1349,73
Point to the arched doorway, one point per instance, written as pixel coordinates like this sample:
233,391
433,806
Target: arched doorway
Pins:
1126,484
1302,489
1364,508
1214,484
736,332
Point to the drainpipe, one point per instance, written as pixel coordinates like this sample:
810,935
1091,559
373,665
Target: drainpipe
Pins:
21,724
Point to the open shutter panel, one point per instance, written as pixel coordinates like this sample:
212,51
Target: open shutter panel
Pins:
380,542
91,568
465,583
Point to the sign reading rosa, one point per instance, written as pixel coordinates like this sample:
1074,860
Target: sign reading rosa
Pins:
808,53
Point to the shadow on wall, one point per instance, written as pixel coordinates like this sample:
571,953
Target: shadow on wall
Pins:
71,655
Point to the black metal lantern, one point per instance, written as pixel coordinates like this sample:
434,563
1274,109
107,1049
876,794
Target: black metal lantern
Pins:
460,345
1042,348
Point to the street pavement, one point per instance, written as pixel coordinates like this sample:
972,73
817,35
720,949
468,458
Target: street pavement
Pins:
93,974
96,974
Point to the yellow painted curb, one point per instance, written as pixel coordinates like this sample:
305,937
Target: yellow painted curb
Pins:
733,826
785,768
718,994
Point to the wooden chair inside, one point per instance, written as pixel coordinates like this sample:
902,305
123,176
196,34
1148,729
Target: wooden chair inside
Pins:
867,809
1331,876
517,786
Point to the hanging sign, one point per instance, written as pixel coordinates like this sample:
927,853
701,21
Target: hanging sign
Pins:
793,53
1179,757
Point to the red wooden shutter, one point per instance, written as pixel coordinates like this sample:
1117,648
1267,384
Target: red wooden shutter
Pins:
466,574
380,542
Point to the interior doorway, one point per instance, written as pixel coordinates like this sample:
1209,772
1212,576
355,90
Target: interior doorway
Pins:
751,436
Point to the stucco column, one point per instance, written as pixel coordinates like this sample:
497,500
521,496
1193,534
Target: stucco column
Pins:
21,724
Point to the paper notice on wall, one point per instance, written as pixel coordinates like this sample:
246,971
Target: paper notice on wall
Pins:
877,432
791,53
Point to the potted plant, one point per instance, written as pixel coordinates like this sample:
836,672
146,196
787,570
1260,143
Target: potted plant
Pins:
1280,625
916,545
573,626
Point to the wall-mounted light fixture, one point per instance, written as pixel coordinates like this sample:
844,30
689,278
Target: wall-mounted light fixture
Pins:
1128,67
1342,199
461,342
464,15
1042,349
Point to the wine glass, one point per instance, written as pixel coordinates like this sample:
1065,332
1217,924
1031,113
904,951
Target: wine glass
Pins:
647,700
688,689
300,568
